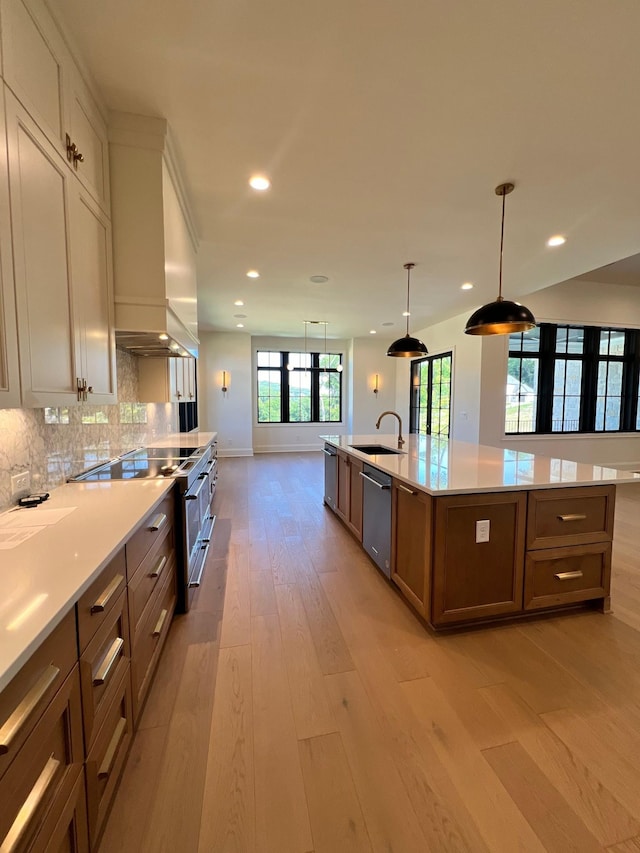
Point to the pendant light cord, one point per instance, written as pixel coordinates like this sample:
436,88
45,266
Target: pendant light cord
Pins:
504,196
408,268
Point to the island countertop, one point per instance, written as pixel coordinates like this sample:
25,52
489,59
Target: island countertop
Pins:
443,466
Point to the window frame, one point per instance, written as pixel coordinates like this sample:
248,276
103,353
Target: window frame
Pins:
591,359
314,369
414,393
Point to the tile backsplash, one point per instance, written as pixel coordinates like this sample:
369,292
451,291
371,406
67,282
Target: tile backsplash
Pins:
53,444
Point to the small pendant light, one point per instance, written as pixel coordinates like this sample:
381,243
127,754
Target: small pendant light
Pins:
501,317
407,347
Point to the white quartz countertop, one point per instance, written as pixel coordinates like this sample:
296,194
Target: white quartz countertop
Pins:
43,577
442,466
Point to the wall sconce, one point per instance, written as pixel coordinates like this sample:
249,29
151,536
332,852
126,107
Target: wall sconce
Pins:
225,382
376,380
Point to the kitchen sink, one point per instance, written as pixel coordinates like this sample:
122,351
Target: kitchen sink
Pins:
376,449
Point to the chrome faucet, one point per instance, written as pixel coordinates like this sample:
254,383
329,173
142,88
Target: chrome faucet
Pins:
396,415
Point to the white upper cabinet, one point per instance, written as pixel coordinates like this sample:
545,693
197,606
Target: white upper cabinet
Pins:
62,272
40,71
9,374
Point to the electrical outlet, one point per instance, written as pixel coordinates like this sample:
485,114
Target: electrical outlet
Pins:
20,483
482,530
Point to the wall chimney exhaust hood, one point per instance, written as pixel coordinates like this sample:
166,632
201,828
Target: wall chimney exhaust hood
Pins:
154,241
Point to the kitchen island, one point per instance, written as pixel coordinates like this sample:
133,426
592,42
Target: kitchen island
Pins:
478,533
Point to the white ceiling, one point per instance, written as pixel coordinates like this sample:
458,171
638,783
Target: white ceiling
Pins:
384,128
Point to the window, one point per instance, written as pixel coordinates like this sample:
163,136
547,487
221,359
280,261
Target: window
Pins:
299,387
565,379
431,395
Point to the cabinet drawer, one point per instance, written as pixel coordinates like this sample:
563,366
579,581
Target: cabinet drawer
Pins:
557,517
567,575
65,828
97,601
25,697
45,770
150,639
107,755
152,530
102,665
151,574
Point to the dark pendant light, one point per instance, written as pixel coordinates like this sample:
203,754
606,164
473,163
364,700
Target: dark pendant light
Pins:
501,317
407,347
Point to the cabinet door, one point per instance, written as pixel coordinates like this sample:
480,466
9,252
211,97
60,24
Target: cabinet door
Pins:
189,377
354,519
88,132
39,186
9,371
176,380
411,545
92,277
474,580
342,503
35,64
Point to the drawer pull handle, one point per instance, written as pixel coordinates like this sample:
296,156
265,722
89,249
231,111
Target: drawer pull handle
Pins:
575,516
30,806
160,624
405,489
21,714
378,485
108,661
158,521
112,749
99,606
568,576
162,562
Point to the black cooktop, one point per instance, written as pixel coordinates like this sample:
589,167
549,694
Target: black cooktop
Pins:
133,468
168,452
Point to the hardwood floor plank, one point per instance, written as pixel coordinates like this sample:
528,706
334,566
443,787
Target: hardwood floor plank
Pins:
228,805
619,775
499,821
176,814
306,684
391,821
575,778
632,845
337,822
331,649
282,818
262,594
553,820
236,624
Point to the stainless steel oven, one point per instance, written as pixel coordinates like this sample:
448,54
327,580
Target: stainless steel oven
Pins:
197,523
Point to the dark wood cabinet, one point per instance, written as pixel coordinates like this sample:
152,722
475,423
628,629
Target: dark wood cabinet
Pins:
411,540
473,580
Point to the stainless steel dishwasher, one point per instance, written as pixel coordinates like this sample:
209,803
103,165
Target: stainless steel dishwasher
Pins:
330,475
376,517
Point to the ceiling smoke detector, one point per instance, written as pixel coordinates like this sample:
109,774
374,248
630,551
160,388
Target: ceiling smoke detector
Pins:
319,279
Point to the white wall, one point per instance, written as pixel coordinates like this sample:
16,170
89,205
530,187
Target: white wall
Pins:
230,414
465,403
369,357
282,438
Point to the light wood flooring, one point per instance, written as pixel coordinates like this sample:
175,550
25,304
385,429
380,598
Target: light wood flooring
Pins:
301,707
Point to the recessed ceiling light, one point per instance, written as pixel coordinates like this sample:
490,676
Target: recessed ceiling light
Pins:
238,302
466,286
556,240
259,182
406,313
163,337
239,325
319,279
253,274
372,331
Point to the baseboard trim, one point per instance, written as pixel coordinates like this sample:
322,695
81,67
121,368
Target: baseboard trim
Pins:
288,448
235,451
